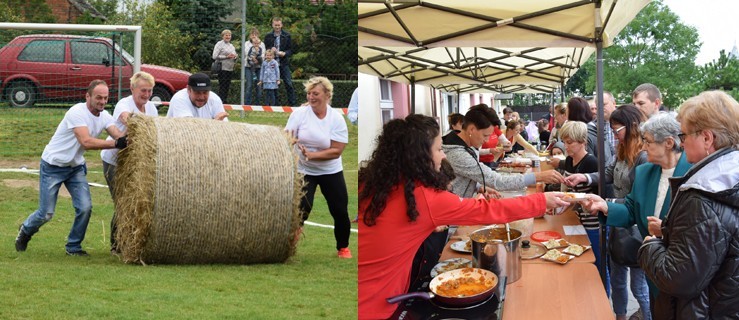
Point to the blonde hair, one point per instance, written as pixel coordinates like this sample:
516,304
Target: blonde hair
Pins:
328,88
225,32
714,111
575,130
142,75
560,108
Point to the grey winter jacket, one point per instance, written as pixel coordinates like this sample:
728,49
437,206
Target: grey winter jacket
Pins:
470,171
695,265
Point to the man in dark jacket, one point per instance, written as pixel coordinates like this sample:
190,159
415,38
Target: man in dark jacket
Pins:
280,41
695,265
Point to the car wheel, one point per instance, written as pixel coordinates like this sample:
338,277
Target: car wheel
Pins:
160,93
21,94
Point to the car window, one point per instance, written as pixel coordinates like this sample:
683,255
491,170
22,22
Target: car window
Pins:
86,52
43,51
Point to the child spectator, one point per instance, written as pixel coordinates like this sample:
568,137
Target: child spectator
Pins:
269,78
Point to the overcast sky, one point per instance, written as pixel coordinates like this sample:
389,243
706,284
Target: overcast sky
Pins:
717,22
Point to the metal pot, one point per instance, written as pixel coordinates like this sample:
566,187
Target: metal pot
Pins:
495,250
450,300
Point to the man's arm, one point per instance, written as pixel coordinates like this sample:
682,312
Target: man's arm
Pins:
91,143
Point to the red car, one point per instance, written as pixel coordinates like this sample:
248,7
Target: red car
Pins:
40,68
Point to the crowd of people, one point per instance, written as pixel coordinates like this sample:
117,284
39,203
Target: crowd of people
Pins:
266,65
319,136
669,206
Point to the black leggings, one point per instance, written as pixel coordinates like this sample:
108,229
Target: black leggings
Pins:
333,188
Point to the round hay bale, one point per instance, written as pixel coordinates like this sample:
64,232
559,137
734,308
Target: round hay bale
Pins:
192,191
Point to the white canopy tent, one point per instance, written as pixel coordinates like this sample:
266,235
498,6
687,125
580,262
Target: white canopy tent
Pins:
396,38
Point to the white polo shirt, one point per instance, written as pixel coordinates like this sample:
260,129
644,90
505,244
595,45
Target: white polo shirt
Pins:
64,150
316,134
110,156
180,106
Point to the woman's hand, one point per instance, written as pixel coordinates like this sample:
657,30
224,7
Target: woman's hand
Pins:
441,228
293,136
594,204
654,225
575,179
549,176
489,193
304,151
554,200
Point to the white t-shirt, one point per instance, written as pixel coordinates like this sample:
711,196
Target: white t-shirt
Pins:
664,184
316,134
126,104
64,150
180,106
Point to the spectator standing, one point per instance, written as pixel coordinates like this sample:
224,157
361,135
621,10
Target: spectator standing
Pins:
63,162
353,114
693,257
279,41
225,52
197,101
253,57
142,84
269,78
648,98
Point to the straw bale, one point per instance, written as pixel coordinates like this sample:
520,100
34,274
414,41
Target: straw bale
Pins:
192,191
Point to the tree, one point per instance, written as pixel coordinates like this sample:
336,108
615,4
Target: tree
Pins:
721,74
105,7
202,21
31,10
162,42
656,48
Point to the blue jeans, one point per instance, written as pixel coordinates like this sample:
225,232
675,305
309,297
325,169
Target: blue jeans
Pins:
287,80
594,237
639,289
51,178
251,84
270,97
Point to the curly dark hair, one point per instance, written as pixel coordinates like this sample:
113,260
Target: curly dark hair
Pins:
578,109
402,157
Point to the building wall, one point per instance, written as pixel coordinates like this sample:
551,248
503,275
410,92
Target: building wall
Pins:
63,10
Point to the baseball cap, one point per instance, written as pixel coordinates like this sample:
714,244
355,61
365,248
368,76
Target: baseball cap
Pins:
199,82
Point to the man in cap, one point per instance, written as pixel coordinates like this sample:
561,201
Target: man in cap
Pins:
197,101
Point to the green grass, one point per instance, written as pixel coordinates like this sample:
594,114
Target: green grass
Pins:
44,283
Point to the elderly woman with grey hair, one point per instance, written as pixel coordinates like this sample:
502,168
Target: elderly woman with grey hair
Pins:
650,193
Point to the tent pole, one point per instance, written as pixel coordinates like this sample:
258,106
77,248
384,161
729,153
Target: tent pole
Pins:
413,94
601,151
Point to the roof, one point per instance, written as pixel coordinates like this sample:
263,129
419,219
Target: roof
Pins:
84,6
482,45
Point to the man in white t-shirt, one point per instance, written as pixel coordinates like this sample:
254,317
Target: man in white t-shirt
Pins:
197,101
142,85
62,162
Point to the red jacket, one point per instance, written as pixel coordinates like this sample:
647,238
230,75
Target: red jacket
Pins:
386,249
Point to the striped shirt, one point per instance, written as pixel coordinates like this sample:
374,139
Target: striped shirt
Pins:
588,164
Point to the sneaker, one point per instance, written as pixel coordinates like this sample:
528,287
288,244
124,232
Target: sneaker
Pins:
21,241
344,253
81,253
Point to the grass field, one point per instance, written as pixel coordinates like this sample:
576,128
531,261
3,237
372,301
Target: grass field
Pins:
44,283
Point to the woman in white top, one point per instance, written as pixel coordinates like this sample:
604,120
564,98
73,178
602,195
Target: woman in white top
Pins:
225,52
138,102
253,57
322,134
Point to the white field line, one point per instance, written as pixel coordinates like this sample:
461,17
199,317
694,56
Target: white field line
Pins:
325,226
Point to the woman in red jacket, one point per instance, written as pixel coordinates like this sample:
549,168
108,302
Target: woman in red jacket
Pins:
403,198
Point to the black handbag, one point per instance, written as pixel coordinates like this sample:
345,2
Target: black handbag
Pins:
624,244
216,66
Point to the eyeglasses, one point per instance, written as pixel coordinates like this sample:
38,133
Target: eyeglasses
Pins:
682,135
647,142
618,130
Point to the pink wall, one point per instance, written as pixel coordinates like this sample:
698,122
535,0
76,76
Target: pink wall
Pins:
401,97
